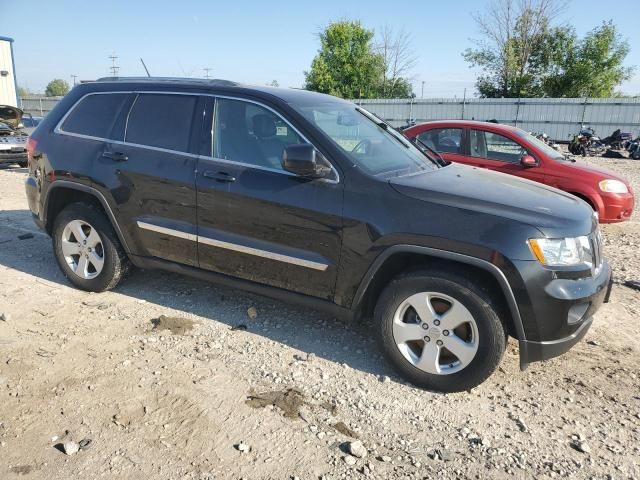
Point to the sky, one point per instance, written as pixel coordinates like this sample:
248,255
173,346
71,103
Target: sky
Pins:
255,41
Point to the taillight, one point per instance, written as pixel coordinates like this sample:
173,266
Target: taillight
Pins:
31,149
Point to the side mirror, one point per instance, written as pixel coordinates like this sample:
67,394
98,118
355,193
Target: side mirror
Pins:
527,161
302,159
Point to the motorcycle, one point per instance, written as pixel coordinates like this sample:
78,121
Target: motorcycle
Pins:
543,137
617,140
587,143
633,147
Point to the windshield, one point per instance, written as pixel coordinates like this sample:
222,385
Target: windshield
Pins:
368,142
539,144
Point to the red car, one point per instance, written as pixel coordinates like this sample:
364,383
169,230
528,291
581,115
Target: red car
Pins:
510,150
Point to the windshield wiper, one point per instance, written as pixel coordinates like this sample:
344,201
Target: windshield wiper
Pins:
429,152
385,126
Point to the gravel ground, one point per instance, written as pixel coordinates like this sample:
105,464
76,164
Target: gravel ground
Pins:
99,377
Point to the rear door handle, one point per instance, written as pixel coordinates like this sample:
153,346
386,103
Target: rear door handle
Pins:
115,156
219,176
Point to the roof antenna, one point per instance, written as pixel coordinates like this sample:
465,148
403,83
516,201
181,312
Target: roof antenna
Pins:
145,67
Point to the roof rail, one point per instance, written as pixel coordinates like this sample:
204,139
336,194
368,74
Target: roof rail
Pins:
201,81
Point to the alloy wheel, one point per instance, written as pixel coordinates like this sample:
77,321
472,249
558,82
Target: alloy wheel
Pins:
82,249
435,333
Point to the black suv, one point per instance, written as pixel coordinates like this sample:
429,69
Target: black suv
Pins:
310,198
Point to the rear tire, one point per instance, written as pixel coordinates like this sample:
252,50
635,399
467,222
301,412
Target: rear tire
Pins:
451,341
87,248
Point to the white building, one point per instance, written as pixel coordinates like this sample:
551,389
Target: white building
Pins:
8,83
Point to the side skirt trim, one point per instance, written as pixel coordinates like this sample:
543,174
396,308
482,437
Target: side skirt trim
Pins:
235,247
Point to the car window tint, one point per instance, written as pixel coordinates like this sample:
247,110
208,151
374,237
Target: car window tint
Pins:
249,133
494,146
96,115
443,140
162,121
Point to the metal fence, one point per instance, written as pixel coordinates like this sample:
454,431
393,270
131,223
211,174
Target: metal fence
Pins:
38,106
560,118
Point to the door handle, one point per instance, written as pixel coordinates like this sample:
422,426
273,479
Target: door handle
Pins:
115,156
219,176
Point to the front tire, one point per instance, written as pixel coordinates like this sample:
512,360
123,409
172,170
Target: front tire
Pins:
439,331
87,248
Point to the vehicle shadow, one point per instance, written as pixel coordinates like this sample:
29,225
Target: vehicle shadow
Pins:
307,330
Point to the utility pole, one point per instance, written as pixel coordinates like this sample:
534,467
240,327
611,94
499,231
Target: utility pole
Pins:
422,91
74,79
206,72
114,68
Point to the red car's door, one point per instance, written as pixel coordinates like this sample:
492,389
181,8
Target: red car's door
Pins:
500,153
448,142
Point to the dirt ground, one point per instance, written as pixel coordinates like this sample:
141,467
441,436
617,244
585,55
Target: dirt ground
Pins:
169,378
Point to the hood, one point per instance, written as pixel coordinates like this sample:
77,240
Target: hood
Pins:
11,116
553,212
598,172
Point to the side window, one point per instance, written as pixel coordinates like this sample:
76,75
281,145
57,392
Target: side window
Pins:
96,115
443,140
249,133
161,120
495,147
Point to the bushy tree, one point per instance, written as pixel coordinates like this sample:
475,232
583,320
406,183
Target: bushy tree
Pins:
346,65
513,33
349,65
57,88
522,55
591,67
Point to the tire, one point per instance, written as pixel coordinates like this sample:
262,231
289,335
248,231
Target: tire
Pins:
449,373
105,263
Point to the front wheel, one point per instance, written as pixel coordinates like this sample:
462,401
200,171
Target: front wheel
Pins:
440,331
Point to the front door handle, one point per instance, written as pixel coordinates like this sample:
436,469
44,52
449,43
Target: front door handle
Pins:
115,156
219,176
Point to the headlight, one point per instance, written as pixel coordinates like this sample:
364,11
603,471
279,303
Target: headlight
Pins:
562,252
613,186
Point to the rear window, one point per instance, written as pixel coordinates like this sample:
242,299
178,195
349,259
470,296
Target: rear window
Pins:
162,121
96,115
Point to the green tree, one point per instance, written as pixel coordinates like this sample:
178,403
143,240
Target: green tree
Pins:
23,92
591,67
514,37
346,64
57,88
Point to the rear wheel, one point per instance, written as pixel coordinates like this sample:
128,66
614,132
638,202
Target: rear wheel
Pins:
87,249
439,331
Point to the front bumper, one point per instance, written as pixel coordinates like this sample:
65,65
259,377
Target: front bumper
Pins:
562,311
617,207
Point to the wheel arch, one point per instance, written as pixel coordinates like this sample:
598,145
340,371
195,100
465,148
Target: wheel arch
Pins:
62,193
402,258
592,200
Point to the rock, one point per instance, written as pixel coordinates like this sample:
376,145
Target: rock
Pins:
243,447
357,449
521,425
384,459
385,379
70,448
5,317
252,312
84,443
349,460
581,446
445,455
